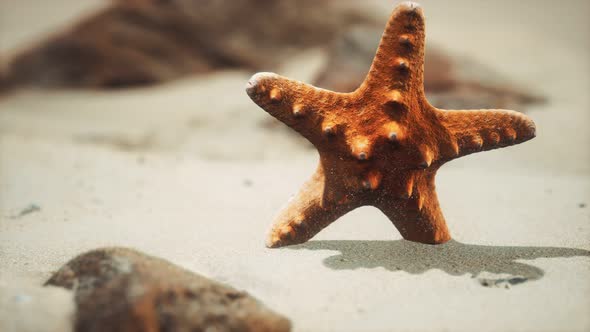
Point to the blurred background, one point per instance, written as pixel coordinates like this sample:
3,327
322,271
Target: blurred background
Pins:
167,75
126,123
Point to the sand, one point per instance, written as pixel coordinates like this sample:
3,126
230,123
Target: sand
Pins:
193,172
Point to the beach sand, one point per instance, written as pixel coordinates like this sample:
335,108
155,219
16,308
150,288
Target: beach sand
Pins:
194,172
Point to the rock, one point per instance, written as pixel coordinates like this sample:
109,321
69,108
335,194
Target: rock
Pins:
118,289
450,81
25,307
142,42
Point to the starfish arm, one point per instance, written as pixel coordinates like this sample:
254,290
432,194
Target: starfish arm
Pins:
300,106
418,218
399,61
306,214
481,130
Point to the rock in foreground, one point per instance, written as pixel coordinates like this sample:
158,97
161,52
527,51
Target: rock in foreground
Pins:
119,289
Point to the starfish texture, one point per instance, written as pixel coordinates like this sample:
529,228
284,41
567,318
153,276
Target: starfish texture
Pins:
382,144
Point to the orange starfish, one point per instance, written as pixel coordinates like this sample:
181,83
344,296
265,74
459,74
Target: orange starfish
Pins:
382,144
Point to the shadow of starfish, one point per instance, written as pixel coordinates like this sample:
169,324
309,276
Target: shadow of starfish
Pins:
454,258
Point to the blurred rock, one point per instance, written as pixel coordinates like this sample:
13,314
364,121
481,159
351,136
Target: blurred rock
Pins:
139,42
450,81
119,289
25,307
142,42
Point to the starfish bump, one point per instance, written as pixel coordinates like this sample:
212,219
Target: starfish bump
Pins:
382,144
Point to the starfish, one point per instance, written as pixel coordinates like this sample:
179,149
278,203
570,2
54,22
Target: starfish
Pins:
382,144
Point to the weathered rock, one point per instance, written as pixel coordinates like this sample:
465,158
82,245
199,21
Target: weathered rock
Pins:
119,289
